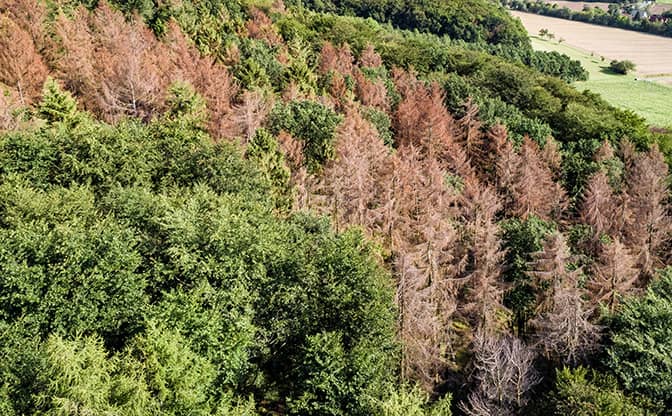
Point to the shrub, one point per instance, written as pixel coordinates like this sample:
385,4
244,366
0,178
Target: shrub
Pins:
622,67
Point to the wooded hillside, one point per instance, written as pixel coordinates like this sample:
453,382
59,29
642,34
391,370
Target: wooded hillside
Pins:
246,208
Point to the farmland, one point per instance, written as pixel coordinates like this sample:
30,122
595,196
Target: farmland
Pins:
647,93
577,6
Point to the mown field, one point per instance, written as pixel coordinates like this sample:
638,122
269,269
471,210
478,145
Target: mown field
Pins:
647,92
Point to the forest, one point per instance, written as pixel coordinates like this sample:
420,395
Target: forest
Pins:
250,207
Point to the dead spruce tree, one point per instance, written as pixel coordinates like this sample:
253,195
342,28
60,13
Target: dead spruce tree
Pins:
649,227
563,328
614,274
503,376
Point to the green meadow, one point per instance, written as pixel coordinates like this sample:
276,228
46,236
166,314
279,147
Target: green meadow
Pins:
644,96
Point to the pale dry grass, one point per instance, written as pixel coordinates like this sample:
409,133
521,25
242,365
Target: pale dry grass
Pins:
652,54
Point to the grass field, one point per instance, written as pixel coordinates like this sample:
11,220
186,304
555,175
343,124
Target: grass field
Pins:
650,99
648,93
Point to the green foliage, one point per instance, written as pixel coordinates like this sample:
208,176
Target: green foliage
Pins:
413,402
56,105
622,67
310,122
184,105
264,151
508,91
470,20
65,268
382,122
156,374
330,310
152,262
640,347
258,66
521,239
582,393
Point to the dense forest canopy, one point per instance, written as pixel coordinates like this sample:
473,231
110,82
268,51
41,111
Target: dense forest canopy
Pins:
321,208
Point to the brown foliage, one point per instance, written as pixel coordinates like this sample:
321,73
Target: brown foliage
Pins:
504,161
351,181
369,92
21,67
9,103
370,58
72,55
548,270
30,16
604,152
247,116
338,89
533,190
469,136
422,121
336,59
552,157
115,66
278,6
293,151
649,228
614,274
129,64
484,289
210,79
261,27
565,333
403,199
599,205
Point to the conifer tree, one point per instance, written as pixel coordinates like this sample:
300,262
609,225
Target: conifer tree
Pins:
248,115
599,205
504,376
564,330
504,162
210,79
350,184
130,65
336,59
484,288
370,58
551,155
533,190
469,136
56,105
264,150
614,274
565,333
186,107
71,53
369,92
21,67
261,27
30,15
548,270
650,225
427,266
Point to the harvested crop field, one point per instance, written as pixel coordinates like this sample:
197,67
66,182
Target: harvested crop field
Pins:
652,54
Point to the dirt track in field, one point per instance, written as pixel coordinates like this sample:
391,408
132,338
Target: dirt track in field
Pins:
652,54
